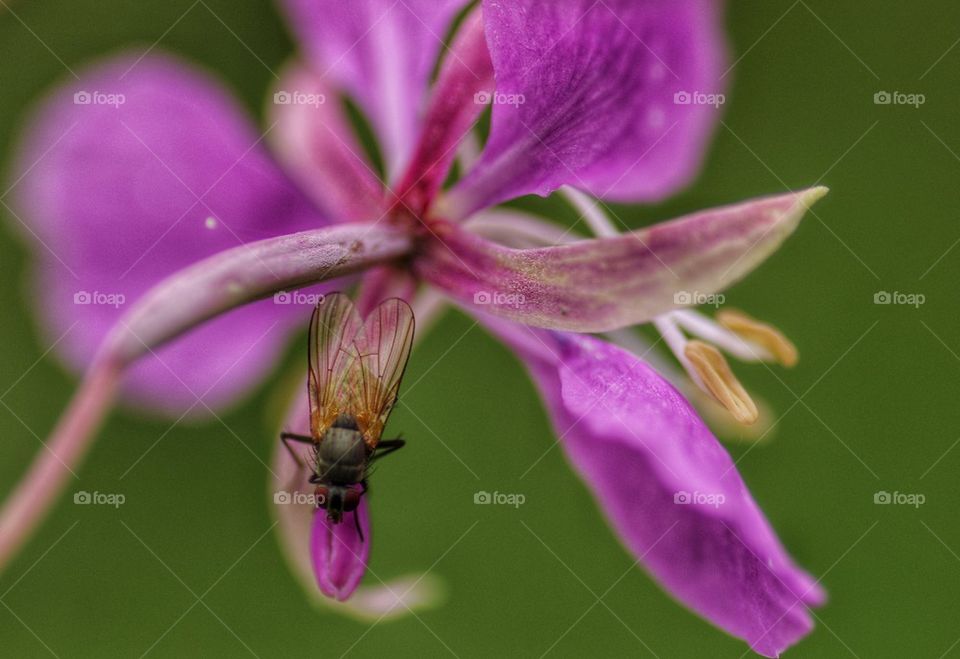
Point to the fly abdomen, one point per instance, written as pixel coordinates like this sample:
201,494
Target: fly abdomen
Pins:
341,456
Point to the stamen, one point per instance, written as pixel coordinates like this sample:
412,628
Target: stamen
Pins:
598,221
716,375
713,332
763,334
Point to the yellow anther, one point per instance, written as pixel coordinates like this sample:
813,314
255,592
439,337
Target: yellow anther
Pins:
763,334
716,376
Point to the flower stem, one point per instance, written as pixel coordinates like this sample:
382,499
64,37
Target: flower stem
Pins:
247,273
50,472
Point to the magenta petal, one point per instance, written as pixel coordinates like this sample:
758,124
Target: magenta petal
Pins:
112,169
339,554
598,97
382,53
645,454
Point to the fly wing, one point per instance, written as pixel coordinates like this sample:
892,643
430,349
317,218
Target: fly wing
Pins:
331,358
382,347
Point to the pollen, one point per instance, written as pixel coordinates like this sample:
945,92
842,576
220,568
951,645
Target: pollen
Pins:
763,334
717,377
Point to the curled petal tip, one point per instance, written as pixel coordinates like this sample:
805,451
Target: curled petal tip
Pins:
803,201
811,195
340,553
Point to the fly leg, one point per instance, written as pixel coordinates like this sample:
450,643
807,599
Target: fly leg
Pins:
386,447
356,512
286,437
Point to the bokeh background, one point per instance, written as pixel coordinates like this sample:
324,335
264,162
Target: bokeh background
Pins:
871,407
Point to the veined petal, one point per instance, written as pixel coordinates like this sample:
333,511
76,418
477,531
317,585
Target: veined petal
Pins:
617,98
668,488
314,140
137,170
382,53
607,283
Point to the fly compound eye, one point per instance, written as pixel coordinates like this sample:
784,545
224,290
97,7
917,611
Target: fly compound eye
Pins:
321,495
351,499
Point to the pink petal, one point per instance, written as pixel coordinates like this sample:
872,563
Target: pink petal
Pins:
109,197
381,52
594,87
645,455
599,285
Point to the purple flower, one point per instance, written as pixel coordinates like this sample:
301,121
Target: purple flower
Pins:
155,208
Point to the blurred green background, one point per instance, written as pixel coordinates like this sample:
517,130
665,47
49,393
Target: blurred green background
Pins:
871,407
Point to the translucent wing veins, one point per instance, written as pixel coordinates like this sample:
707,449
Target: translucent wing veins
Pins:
356,367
